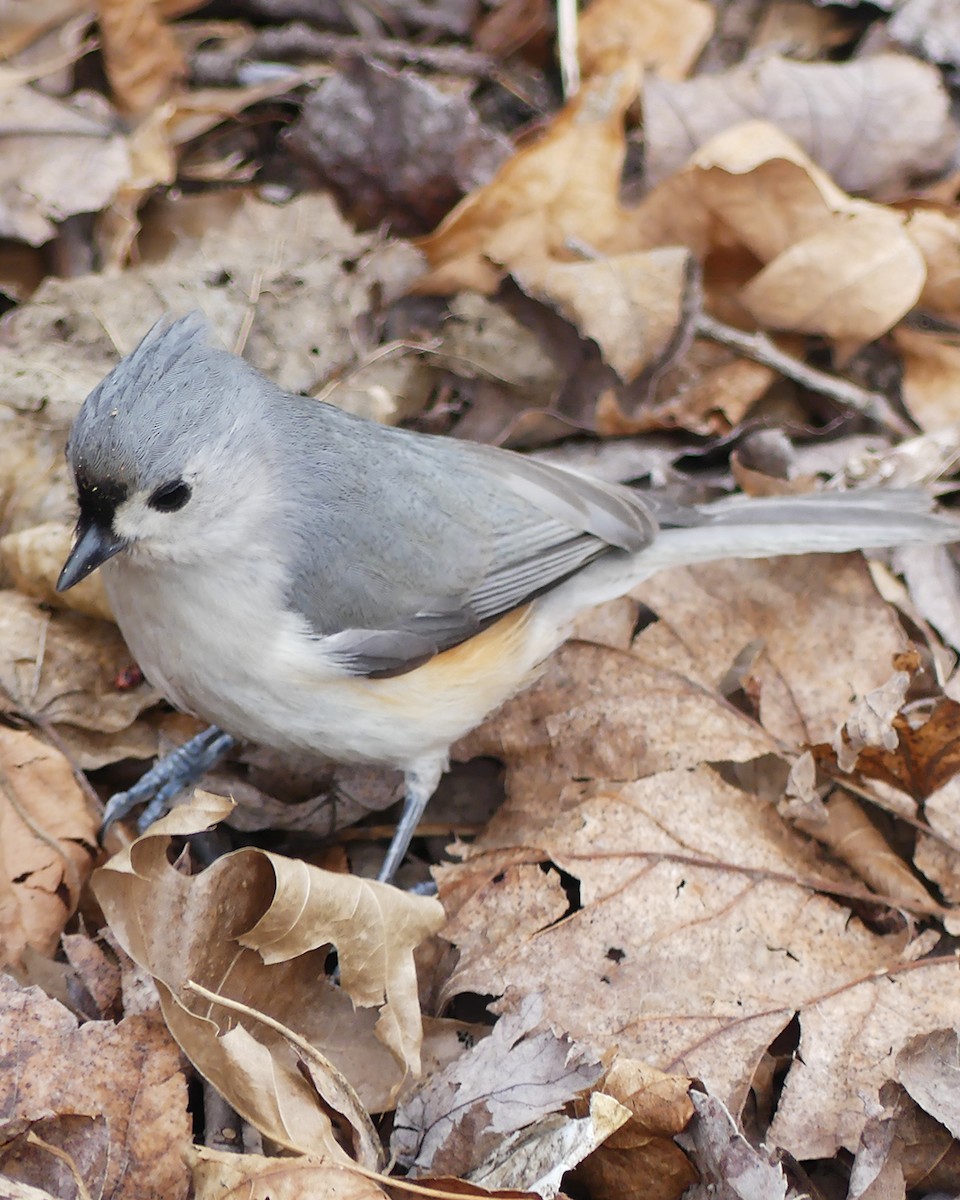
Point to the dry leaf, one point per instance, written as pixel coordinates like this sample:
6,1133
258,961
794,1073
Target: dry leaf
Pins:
141,55
855,840
65,669
726,1158
507,1082
665,36
928,1066
636,307
641,1161
58,160
537,1158
48,835
218,1175
813,617
110,1096
34,559
545,202
257,928
873,124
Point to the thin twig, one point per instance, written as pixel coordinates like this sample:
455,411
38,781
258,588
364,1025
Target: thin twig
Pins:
759,348
298,40
568,50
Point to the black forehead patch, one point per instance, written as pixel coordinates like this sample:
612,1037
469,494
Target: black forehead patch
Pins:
98,499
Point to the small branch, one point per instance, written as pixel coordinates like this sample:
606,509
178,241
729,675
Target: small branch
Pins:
760,348
298,41
567,47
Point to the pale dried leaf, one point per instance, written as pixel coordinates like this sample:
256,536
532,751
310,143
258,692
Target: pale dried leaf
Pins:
34,559
641,1160
928,1066
725,1158
537,1158
505,1083
825,632
66,669
849,833
58,160
877,1173
873,123
218,1175
864,1026
544,202
871,721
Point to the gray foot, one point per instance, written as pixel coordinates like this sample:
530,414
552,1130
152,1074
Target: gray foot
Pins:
167,778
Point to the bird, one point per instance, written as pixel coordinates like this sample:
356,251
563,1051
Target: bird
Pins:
310,580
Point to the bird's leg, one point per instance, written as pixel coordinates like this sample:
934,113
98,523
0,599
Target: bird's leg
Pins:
420,782
167,778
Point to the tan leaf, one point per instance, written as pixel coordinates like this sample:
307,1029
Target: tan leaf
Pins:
852,280
634,306
699,934
35,557
48,835
855,840
66,669
141,55
727,1159
537,1158
936,234
545,201
202,929
218,1175
641,1159
111,1096
602,714
812,616
930,369
665,36
864,1025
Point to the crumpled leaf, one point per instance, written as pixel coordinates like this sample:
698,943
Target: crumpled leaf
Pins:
48,838
503,1084
641,1160
423,145
536,1159
257,929
545,201
142,58
122,1118
726,1159
65,669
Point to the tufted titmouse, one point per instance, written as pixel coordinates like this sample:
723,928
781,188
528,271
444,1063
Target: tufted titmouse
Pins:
314,581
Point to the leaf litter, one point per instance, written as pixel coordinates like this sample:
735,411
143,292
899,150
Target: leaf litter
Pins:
704,946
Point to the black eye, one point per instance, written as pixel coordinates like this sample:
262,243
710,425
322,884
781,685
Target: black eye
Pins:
170,496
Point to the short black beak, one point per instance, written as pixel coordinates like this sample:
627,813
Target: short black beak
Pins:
94,545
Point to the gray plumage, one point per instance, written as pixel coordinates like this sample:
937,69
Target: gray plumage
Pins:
397,545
